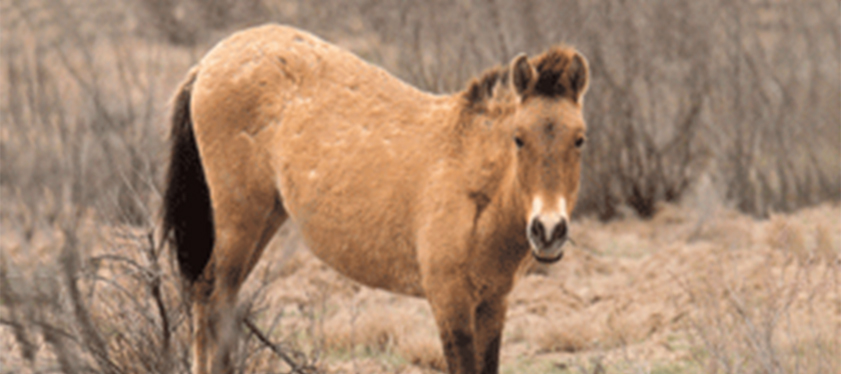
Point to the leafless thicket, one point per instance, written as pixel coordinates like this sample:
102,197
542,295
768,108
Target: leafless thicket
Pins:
744,94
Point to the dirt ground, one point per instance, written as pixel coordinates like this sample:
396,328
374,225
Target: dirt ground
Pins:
691,291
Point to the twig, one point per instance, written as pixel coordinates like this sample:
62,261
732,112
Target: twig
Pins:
296,368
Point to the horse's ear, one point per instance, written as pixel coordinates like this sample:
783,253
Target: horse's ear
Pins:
523,74
578,76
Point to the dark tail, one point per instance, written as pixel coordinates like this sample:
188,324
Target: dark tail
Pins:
187,213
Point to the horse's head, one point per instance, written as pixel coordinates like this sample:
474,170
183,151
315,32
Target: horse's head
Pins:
548,136
545,131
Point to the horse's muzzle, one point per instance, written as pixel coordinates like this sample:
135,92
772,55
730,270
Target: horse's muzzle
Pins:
547,246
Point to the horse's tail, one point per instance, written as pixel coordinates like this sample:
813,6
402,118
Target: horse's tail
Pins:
187,213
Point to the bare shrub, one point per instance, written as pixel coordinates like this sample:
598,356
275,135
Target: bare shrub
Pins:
187,22
111,312
780,145
107,302
79,110
764,315
678,90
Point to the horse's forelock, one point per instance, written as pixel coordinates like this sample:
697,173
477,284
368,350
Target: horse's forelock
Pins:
558,74
561,72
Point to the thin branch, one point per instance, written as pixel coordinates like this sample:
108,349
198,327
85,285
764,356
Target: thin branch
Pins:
279,351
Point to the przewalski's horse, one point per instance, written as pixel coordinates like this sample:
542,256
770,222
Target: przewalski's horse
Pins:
441,197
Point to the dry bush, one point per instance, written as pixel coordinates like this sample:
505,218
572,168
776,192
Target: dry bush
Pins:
767,311
678,91
88,309
105,300
81,98
188,22
650,84
81,147
779,102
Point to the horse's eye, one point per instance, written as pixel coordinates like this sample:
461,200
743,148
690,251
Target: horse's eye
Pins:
579,142
518,142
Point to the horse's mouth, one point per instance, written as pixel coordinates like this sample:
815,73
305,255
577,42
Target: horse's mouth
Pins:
550,254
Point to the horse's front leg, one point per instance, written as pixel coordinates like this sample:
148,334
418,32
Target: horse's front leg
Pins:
489,322
446,246
454,313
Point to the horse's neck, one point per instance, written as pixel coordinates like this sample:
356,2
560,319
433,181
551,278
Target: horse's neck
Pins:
487,153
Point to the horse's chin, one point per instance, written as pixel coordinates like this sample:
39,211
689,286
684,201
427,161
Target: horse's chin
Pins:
548,259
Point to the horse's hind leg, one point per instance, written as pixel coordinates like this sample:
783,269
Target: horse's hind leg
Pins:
215,313
247,212
215,296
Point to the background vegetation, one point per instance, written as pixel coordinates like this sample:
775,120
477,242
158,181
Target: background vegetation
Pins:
719,103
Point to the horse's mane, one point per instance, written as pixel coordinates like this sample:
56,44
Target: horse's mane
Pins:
558,70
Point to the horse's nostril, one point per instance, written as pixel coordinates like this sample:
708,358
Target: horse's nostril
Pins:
538,232
560,230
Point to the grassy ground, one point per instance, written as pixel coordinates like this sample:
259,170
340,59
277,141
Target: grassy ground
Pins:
683,293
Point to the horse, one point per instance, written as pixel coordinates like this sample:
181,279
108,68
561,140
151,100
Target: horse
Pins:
436,196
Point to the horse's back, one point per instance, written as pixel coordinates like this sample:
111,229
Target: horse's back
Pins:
245,81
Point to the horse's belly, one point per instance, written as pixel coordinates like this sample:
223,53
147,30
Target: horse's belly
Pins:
356,215
349,171
365,256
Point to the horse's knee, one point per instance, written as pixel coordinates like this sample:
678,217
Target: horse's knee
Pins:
490,315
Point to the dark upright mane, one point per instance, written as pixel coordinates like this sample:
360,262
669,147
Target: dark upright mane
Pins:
481,90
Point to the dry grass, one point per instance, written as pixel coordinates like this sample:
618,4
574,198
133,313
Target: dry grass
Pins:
633,296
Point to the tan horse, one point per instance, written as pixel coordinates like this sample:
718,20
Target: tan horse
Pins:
440,197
